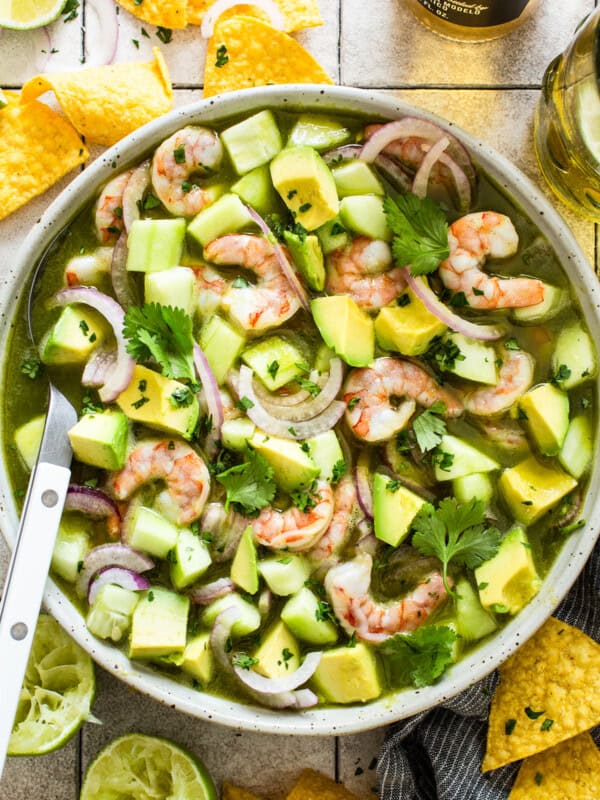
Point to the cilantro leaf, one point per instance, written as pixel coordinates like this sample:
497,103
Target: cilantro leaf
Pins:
418,658
455,532
310,386
420,232
429,428
163,333
250,485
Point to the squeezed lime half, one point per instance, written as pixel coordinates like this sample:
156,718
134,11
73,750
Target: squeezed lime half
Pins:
23,15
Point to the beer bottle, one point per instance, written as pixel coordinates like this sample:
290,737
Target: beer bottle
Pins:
469,20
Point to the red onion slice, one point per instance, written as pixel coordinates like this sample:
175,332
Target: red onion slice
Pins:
120,278
217,8
394,173
120,377
95,504
125,578
421,180
362,480
309,409
110,555
212,591
270,399
486,333
285,684
212,396
226,528
343,153
134,192
102,32
286,428
100,363
346,450
286,267
461,182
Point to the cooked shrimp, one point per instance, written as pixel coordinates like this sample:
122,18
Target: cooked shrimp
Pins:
211,288
294,529
88,270
410,151
347,586
505,433
181,468
361,269
369,392
515,377
272,300
109,209
324,553
188,152
472,239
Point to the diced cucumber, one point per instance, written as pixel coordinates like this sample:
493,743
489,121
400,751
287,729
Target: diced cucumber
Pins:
172,287
554,301
235,433
109,616
354,178
198,659
71,546
252,142
332,235
155,244
100,440
323,358
256,190
477,486
307,257
28,438
159,624
576,453
276,361
455,458
285,574
222,345
326,452
226,215
394,509
248,622
278,654
574,358
77,332
293,469
476,362
302,615
189,559
364,215
472,620
546,409
244,567
147,531
322,133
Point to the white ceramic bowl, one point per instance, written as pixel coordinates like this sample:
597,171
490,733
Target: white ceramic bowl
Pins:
568,564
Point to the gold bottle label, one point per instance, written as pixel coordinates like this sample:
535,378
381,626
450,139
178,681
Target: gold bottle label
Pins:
475,15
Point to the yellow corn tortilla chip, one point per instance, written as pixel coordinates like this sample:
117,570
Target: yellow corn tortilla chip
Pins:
569,771
549,691
252,53
107,103
166,13
298,14
231,792
313,786
37,148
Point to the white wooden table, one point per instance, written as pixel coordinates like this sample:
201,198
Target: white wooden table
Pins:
491,90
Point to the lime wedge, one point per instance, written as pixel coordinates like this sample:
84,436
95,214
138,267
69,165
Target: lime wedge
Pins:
57,692
589,118
22,15
3,100
146,768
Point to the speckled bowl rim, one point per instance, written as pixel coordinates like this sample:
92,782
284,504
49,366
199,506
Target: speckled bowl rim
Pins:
489,655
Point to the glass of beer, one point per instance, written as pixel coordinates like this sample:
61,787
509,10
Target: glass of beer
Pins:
567,122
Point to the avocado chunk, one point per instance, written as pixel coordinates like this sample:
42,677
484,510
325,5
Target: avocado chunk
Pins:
28,438
101,439
574,359
172,287
278,654
547,412
354,178
305,185
77,332
249,618
293,469
148,531
256,190
327,454
530,489
252,142
71,547
308,258
508,580
109,616
244,567
236,433
286,573
148,399
276,361
455,458
472,620
322,133
476,486
394,509
576,453
226,215
303,615
198,660
554,301
345,328
407,327
155,244
474,361
364,214
222,345
189,559
159,624
348,675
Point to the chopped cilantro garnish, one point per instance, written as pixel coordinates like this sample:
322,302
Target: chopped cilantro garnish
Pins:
310,386
352,640
324,612
163,333
403,300
32,367
305,207
429,428
418,658
477,292
393,486
443,460
70,10
459,300
443,354
179,154
511,344
352,402
141,402
273,369
292,193
538,778
244,403
181,397
150,202
285,560
249,485
339,470
84,327
420,232
304,500
546,724
533,714
221,58
244,661
509,726
90,406
164,34
337,229
561,374
145,33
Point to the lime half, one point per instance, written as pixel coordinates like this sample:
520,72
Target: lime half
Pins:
57,692
146,768
22,15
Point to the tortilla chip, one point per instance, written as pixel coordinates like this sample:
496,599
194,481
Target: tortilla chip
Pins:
165,13
256,54
313,786
107,103
298,14
235,793
37,148
549,691
569,771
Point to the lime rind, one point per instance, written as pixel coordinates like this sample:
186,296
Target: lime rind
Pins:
3,100
24,15
147,768
57,692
